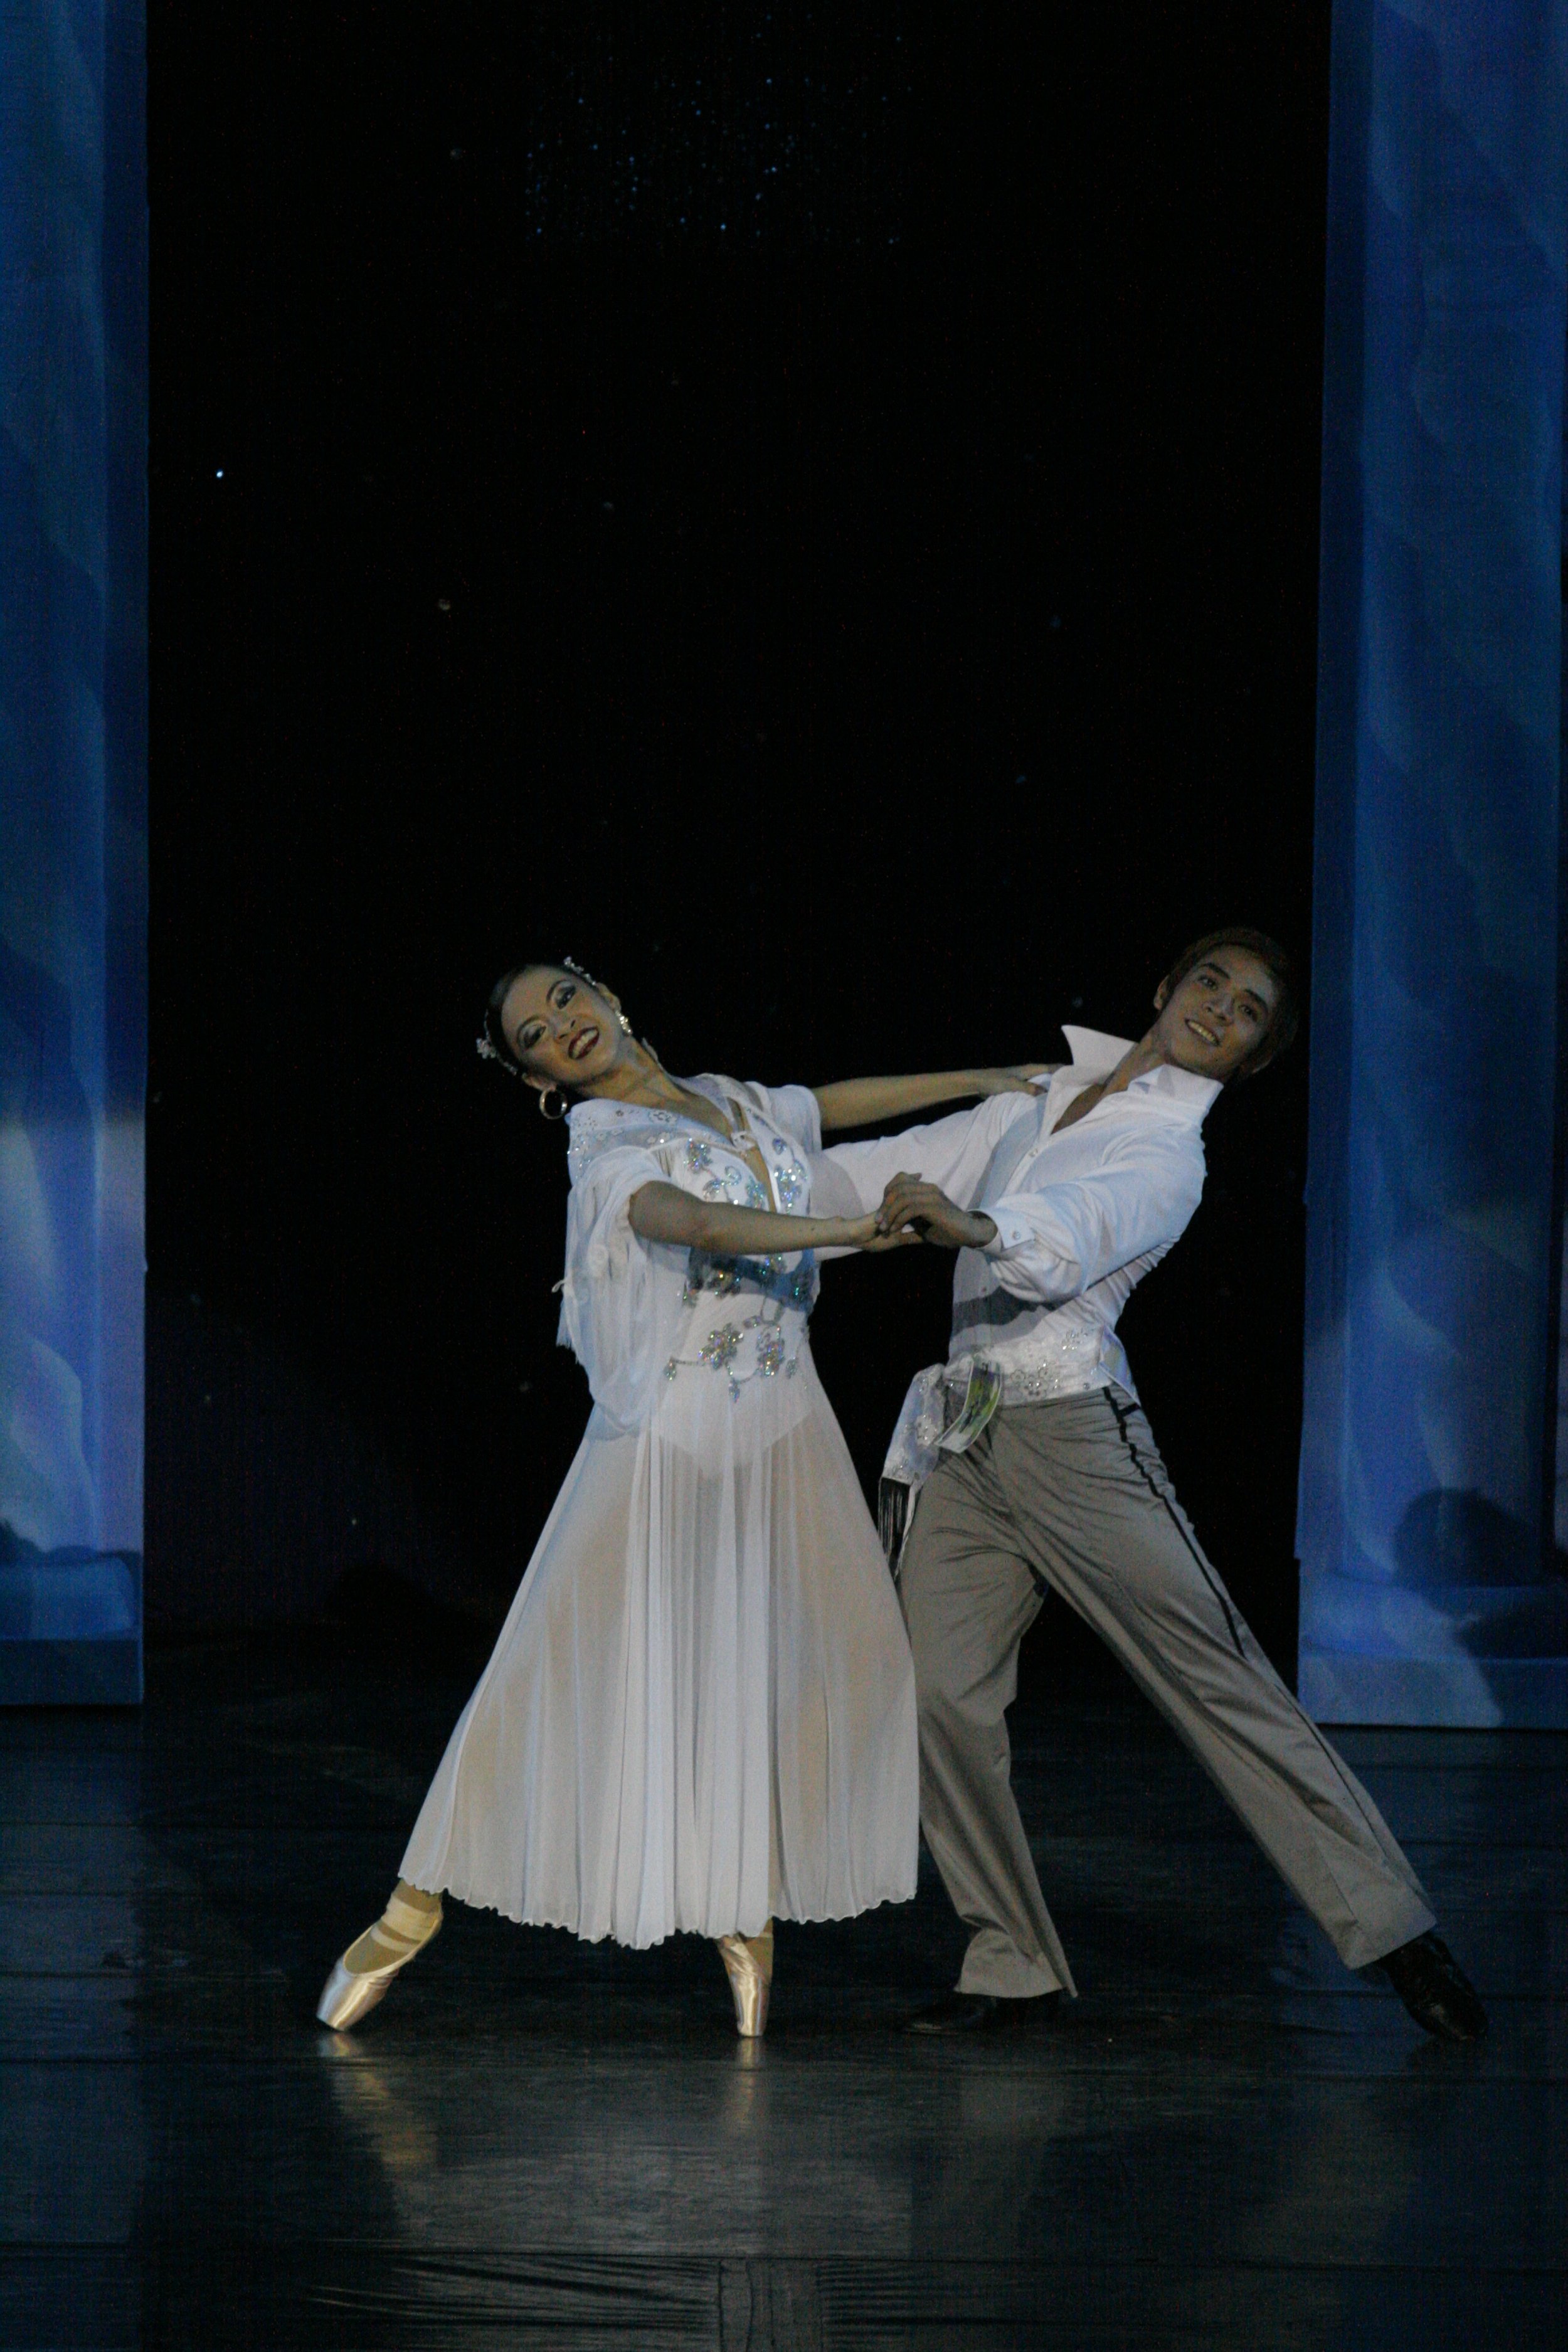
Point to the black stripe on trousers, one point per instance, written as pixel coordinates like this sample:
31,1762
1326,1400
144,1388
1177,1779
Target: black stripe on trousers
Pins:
1165,1503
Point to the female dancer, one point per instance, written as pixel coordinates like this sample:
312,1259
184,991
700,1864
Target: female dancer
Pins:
699,1714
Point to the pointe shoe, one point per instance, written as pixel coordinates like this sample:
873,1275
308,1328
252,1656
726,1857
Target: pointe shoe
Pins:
352,1993
749,1965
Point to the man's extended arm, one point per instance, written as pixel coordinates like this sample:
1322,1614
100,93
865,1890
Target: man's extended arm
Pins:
954,1152
1051,1246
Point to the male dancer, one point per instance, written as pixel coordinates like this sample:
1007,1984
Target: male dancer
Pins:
1028,1464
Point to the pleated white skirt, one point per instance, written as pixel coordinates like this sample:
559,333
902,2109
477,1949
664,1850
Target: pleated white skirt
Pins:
701,1710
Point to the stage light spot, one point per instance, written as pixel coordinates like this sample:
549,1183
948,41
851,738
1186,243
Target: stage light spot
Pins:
443,604
218,476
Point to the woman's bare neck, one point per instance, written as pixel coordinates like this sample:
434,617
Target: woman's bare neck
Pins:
644,1081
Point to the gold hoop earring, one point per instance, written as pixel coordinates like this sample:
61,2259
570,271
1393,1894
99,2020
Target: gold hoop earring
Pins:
553,1118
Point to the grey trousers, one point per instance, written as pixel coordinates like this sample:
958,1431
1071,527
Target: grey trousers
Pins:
1073,1494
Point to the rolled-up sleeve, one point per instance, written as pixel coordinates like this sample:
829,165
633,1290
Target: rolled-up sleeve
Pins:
1053,1245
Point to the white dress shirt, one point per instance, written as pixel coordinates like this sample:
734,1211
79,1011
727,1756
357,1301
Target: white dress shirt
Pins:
1080,1217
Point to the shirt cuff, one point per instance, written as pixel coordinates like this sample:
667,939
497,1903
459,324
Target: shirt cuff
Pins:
1011,1232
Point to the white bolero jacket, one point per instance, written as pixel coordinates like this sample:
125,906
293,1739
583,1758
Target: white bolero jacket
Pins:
641,1316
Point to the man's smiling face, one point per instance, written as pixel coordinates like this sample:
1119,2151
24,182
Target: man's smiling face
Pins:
1217,1015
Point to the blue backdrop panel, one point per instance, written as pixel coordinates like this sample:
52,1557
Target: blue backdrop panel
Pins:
73,838
1431,1589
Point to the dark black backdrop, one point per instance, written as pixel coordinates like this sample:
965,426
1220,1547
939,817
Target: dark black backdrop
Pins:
812,512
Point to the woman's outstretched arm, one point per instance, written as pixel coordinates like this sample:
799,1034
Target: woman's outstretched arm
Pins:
864,1102
663,1213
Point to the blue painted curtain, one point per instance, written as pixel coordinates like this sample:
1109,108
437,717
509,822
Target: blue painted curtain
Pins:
1431,1588
73,291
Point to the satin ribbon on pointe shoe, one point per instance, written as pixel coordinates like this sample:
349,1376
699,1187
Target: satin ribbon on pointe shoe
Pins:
749,1965
352,1993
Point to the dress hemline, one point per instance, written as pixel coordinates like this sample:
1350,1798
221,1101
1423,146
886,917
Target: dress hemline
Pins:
710,1935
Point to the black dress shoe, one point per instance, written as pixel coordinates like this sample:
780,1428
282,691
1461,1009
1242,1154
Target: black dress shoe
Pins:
1435,1989
981,2013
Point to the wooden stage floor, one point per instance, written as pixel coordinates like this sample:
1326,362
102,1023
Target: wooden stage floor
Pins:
1226,2142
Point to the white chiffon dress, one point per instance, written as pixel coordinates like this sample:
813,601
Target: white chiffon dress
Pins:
701,1710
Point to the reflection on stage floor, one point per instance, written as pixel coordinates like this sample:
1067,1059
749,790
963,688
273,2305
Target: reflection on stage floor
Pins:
1226,2142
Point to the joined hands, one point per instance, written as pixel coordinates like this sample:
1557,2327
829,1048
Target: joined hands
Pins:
913,1210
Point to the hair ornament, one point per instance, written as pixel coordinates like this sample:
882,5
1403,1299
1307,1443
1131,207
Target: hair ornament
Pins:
570,963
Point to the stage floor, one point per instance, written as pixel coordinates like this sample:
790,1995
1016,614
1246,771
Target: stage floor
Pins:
1226,2142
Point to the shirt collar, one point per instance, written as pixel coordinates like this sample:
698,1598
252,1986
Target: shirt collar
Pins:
1095,1055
